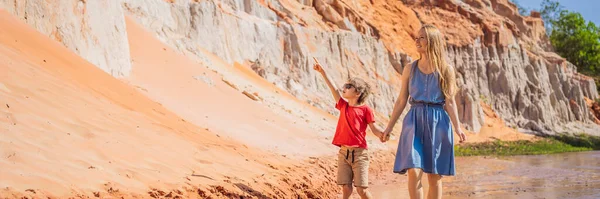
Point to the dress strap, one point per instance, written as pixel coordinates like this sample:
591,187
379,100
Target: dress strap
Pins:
412,69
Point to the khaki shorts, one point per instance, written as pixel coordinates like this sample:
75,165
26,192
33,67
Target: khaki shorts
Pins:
353,166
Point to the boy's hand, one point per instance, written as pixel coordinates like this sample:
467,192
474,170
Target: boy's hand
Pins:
381,137
385,135
317,66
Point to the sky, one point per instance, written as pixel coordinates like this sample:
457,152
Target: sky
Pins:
589,9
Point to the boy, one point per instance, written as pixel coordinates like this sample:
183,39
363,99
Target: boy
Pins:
355,116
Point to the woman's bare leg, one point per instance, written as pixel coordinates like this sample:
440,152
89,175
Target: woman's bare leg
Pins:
415,188
435,186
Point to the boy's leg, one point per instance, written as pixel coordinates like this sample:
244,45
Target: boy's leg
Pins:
347,191
344,176
360,168
364,193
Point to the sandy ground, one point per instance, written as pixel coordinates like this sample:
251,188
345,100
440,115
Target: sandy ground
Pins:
568,175
176,128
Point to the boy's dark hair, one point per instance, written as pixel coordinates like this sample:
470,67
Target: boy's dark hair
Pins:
361,87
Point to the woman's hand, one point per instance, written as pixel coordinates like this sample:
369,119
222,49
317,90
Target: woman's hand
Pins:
461,135
386,135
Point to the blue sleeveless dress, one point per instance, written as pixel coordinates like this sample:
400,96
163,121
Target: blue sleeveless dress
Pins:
427,140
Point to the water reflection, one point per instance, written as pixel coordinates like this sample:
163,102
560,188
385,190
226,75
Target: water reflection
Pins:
565,175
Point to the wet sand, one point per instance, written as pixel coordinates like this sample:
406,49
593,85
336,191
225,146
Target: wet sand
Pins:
565,175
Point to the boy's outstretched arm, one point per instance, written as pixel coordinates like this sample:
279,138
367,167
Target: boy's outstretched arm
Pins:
334,91
376,131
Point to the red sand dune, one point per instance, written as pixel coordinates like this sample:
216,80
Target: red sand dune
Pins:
69,128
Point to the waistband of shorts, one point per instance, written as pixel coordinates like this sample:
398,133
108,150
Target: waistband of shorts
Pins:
351,148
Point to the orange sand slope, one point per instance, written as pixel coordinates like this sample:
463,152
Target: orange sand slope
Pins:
495,129
202,97
69,128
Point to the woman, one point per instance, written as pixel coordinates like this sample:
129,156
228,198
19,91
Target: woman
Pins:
426,142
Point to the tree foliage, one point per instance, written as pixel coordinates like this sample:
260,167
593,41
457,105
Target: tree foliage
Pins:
577,40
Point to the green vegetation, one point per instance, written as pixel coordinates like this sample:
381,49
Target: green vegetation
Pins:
580,140
546,145
572,37
577,41
550,11
484,99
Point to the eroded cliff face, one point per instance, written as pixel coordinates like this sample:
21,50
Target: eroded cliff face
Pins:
95,30
503,61
502,58
266,37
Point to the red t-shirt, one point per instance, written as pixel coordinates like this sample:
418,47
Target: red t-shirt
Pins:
359,117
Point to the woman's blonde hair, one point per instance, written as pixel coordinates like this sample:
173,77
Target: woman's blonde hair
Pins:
436,51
